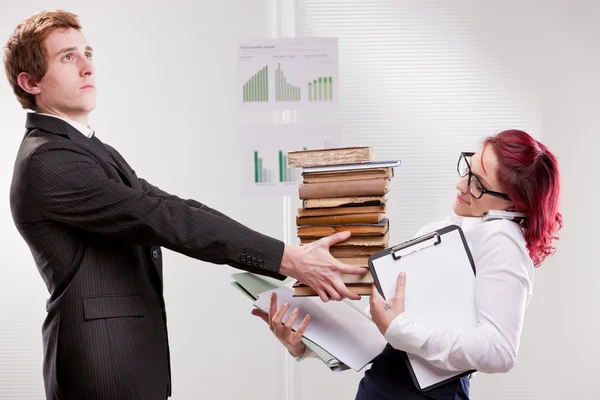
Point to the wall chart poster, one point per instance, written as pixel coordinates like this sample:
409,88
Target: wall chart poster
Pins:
288,73
264,155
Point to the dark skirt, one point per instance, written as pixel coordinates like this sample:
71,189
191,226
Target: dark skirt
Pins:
389,379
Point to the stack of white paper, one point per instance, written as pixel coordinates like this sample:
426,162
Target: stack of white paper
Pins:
338,327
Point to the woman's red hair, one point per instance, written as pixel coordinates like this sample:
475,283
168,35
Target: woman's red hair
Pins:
529,174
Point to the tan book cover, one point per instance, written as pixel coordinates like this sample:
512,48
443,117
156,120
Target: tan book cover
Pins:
362,187
318,212
332,156
350,279
344,201
372,218
357,261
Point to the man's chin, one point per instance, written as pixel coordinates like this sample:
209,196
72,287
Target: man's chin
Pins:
89,107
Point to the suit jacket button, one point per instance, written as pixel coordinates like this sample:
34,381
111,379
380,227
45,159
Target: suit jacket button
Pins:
261,263
155,254
243,258
254,261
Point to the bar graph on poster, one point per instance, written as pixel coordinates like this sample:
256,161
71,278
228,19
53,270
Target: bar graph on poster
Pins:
264,155
288,73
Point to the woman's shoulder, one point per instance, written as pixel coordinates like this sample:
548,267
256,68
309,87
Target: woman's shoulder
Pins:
435,225
501,230
484,235
501,244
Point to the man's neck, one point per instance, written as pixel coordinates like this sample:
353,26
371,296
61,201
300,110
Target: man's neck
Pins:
84,129
83,119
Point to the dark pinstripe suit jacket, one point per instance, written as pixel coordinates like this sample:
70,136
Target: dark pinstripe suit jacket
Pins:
95,230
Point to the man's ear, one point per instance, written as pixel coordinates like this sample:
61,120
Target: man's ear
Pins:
27,83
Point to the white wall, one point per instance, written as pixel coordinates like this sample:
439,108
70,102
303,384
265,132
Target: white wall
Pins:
166,77
424,78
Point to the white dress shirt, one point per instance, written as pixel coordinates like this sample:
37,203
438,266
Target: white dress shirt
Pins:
87,131
503,289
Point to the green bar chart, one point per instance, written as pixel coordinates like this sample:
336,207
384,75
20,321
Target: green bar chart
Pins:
261,174
285,91
321,89
285,174
256,89
287,74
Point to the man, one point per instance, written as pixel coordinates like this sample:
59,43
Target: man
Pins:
95,230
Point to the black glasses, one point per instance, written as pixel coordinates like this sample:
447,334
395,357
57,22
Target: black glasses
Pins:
475,187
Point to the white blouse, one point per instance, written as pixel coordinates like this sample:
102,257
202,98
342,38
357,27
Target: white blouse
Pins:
503,289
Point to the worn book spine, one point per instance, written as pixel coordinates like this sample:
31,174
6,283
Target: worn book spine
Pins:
318,212
363,187
357,261
355,241
359,288
336,156
344,201
347,175
355,251
353,279
319,231
372,218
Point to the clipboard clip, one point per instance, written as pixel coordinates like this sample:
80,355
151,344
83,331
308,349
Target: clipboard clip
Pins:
425,241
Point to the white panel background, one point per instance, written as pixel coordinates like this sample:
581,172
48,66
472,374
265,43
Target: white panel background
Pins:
424,80
420,80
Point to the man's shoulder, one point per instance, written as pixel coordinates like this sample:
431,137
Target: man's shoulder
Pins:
38,138
31,144
35,139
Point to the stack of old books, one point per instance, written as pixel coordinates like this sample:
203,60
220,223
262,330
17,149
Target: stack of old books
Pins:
344,189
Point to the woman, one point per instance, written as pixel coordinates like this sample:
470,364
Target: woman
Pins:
512,171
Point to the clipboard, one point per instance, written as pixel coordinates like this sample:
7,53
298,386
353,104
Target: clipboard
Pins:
440,290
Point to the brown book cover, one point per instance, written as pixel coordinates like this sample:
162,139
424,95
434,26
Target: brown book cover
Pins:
362,187
378,241
344,202
301,290
319,231
318,212
316,177
332,156
373,218
355,251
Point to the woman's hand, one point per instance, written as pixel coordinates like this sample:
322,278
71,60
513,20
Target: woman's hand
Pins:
283,331
384,311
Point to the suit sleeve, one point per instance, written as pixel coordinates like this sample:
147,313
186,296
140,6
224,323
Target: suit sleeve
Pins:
154,191
68,185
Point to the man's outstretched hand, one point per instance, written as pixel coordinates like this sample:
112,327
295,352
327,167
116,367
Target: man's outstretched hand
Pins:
314,266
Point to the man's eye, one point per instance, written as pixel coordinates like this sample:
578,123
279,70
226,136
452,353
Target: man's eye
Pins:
88,55
68,57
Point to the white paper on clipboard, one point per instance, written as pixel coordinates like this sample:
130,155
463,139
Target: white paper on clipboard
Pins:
440,289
